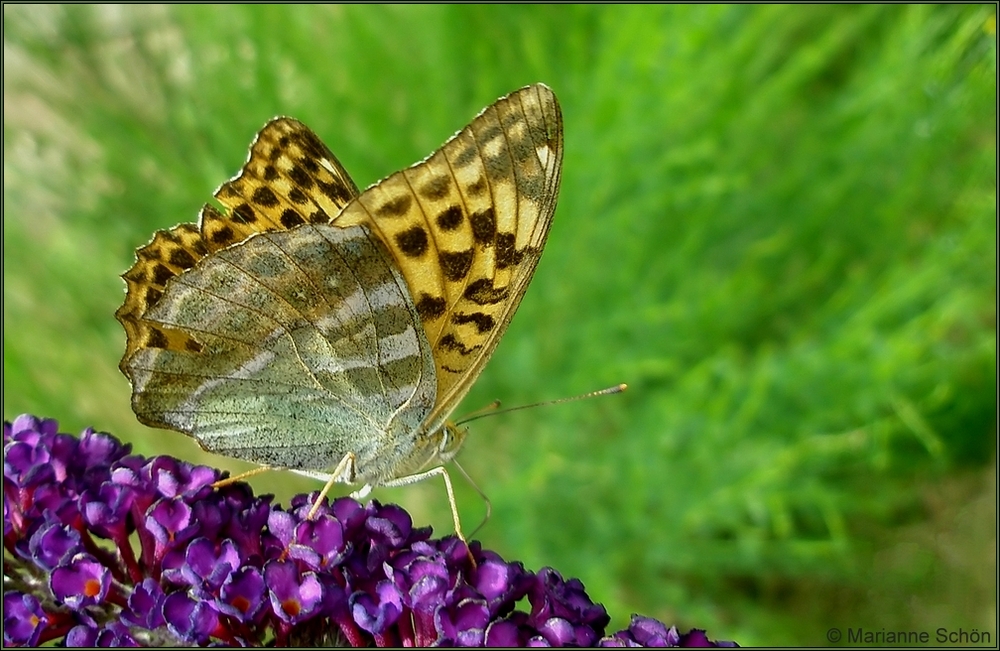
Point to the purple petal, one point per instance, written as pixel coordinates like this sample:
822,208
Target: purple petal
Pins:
650,632
98,449
191,620
391,527
82,636
145,605
375,613
319,543
243,594
207,567
174,478
26,465
464,623
170,523
504,633
558,632
293,598
282,525
83,582
23,619
431,581
53,544
105,510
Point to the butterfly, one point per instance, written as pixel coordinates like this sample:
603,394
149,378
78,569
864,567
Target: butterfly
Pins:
304,325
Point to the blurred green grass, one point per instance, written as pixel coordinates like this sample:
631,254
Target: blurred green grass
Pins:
777,224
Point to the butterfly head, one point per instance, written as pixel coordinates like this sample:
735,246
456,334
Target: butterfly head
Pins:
452,437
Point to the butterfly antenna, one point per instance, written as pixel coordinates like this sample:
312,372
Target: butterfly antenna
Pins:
493,408
482,411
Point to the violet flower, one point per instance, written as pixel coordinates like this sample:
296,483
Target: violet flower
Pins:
105,548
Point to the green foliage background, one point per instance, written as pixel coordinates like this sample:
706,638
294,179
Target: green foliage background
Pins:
777,224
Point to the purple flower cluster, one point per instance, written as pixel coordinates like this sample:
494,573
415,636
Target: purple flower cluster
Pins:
107,548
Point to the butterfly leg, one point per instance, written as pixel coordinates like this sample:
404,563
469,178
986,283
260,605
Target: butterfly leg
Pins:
344,473
240,477
440,470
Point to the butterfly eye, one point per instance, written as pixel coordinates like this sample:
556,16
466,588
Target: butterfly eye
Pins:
452,438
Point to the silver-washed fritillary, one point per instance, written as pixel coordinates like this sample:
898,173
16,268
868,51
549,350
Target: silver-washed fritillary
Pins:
309,327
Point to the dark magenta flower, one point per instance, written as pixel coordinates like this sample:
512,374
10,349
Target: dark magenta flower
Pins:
171,525
81,582
52,544
243,594
377,610
145,605
463,623
114,634
219,566
319,543
648,632
190,619
105,510
206,565
23,619
295,595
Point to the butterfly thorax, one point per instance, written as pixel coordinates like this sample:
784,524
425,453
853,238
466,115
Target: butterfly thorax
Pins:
434,449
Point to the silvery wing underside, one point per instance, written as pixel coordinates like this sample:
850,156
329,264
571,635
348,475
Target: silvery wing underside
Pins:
311,348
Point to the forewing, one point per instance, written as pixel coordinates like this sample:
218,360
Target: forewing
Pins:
290,178
467,225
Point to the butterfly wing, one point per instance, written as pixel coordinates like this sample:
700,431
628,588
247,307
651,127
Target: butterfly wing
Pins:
186,375
467,225
232,351
290,178
309,347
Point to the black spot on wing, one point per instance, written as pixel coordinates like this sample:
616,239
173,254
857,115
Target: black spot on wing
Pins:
412,242
152,295
467,156
244,214
156,339
477,187
484,226
264,196
430,307
181,258
311,143
489,134
395,207
300,177
335,191
450,342
290,218
309,164
482,292
161,274
507,254
483,322
223,235
456,264
437,188
450,218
